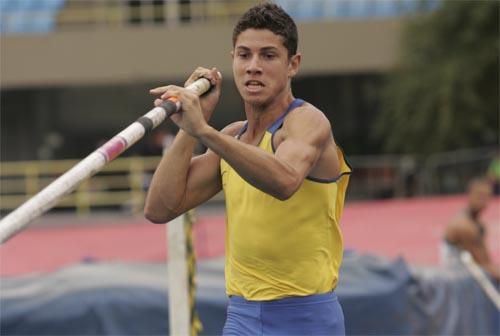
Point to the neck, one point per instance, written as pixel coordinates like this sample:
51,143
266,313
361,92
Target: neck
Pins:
474,213
261,116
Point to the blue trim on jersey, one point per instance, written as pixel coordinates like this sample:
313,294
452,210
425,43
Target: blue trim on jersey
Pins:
242,130
276,125
335,179
279,122
321,180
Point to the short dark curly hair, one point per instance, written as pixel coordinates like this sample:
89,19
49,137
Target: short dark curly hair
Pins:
272,17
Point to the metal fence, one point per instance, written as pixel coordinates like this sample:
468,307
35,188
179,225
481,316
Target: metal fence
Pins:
450,172
388,176
122,185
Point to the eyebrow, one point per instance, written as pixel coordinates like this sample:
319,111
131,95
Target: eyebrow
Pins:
263,49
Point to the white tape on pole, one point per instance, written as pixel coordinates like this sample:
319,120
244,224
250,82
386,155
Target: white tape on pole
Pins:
52,194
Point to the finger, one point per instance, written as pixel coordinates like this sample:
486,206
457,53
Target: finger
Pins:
193,77
159,90
173,91
158,102
200,72
216,75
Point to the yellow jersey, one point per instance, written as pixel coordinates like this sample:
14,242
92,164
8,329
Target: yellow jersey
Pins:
277,249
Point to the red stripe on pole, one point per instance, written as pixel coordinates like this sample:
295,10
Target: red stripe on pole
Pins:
113,148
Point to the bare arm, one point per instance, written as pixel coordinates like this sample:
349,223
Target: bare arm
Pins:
181,182
466,237
167,195
479,252
305,135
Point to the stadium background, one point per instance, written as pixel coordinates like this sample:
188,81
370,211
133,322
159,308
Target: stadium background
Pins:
74,73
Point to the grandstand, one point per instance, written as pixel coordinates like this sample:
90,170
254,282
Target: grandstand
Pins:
44,16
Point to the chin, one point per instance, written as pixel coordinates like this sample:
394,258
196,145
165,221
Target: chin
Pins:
256,100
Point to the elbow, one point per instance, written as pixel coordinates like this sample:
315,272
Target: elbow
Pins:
155,216
157,212
283,195
156,220
287,188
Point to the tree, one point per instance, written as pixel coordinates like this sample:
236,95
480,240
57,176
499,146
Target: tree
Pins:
444,92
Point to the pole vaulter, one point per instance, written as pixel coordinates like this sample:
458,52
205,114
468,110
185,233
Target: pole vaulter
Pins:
92,164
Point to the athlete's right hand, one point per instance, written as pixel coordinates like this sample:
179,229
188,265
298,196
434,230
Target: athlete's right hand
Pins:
209,100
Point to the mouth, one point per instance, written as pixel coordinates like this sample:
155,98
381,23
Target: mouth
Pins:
254,85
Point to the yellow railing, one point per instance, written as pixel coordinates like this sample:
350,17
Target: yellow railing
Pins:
123,183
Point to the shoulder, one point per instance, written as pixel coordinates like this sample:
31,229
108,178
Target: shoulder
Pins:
307,115
307,120
461,228
233,129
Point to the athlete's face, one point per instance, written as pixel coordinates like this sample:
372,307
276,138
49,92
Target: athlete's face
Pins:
479,196
261,66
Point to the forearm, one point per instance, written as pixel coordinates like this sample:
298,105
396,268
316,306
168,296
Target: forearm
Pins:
482,258
256,166
493,271
168,186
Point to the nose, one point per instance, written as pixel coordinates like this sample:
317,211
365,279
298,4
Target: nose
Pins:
253,66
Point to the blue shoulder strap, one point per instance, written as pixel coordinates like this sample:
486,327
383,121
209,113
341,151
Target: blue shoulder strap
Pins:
242,130
277,124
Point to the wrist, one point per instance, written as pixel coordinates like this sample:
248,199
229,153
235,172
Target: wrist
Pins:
204,133
185,137
184,141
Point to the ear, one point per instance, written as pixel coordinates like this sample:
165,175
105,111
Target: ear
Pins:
294,64
232,54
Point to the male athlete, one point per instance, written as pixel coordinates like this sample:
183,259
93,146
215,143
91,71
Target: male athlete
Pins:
284,181
467,232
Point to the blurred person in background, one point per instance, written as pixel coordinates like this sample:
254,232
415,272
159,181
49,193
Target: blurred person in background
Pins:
284,182
467,232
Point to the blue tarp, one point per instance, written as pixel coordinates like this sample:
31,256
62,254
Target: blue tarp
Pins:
379,297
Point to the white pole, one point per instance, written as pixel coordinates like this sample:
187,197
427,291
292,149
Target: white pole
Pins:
480,277
178,292
52,194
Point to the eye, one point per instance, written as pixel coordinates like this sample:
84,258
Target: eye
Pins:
270,56
242,54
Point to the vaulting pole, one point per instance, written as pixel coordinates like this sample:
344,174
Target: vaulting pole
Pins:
65,184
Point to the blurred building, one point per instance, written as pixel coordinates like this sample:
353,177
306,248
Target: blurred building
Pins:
82,69
74,73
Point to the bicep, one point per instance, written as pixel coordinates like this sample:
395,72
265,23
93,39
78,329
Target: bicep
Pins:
204,178
298,154
305,137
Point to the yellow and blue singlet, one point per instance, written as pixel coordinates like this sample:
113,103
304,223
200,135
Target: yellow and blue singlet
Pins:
277,249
